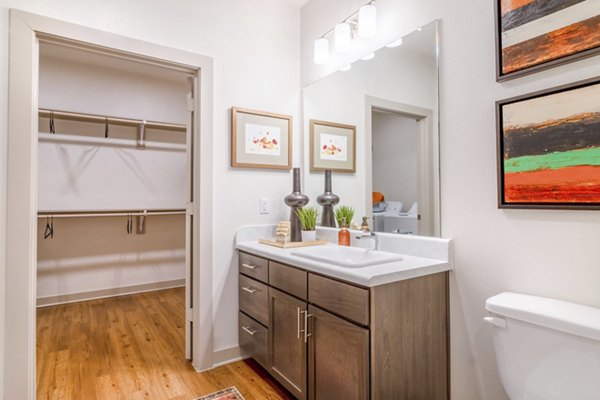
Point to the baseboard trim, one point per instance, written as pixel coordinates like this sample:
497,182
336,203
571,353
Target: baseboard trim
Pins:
111,292
226,356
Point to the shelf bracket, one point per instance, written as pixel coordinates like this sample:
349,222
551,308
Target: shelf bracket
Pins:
141,142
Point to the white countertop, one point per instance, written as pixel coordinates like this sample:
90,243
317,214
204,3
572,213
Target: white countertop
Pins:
411,266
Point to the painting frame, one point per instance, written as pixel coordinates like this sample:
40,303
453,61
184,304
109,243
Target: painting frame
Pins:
259,151
558,160
545,40
345,161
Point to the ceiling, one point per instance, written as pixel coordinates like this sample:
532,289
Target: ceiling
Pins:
297,3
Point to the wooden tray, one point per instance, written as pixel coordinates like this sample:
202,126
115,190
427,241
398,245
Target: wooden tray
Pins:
290,245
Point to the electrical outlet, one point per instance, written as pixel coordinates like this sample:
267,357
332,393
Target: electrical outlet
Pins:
264,205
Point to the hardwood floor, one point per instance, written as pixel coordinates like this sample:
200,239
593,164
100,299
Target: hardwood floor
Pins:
131,347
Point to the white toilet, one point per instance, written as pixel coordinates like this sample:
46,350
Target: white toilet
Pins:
546,349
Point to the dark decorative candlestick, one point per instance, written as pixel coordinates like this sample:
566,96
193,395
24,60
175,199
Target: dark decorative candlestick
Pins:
328,200
296,200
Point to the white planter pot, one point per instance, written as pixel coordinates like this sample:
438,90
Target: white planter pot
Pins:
309,236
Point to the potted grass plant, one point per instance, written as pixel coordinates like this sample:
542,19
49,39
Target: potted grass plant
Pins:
308,220
344,213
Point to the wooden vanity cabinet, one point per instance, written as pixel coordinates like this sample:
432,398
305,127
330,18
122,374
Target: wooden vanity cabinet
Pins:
325,339
287,342
253,318
338,358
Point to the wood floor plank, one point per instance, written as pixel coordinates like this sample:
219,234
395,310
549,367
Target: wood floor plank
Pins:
131,347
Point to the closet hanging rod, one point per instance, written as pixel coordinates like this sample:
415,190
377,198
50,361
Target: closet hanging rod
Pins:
119,213
72,116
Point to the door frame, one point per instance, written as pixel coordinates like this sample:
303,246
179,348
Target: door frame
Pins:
21,221
429,172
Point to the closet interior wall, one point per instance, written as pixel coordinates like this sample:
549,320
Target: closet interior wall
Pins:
82,170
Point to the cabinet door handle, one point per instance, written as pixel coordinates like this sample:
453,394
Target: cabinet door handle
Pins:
248,289
299,321
306,334
251,332
249,266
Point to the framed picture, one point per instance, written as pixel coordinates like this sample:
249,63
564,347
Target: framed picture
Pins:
260,139
549,148
532,35
332,146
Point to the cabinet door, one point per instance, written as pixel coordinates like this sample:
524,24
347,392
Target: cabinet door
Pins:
338,358
288,346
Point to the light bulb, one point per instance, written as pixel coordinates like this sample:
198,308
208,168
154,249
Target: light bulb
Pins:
395,43
343,37
321,51
368,57
367,21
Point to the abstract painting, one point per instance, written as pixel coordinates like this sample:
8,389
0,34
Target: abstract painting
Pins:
537,34
332,146
260,139
549,148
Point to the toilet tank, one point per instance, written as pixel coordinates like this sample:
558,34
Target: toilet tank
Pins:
546,349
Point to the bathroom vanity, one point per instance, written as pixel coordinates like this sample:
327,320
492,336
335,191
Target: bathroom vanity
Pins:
327,331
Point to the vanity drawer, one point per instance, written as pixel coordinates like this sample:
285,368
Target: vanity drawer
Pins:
288,279
255,267
254,339
340,298
254,299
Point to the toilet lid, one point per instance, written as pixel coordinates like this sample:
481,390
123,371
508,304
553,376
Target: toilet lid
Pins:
559,315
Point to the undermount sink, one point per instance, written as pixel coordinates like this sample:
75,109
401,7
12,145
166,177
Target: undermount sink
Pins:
344,256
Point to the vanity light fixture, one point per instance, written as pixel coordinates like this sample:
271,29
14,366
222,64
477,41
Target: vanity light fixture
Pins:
362,23
343,37
368,57
321,51
346,68
367,21
395,43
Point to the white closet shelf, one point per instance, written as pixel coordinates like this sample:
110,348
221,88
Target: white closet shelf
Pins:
109,213
109,142
73,116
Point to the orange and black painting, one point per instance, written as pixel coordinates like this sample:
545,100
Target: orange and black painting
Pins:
536,33
549,149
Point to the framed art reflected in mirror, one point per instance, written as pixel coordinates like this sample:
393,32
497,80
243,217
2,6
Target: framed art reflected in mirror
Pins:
332,146
532,35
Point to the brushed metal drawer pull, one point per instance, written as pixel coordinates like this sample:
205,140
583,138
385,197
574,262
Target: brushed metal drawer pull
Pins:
250,332
248,289
249,266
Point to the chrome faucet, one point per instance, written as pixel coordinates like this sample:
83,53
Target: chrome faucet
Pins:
369,235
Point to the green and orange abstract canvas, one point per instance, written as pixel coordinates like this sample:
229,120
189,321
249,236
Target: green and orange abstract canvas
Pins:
534,32
549,148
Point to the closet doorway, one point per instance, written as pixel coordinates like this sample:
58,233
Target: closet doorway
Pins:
417,217
117,155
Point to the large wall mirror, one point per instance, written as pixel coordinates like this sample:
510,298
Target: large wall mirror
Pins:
392,101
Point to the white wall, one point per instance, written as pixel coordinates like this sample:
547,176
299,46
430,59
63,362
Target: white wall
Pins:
78,81
109,174
94,254
341,98
3,155
395,157
255,46
548,253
